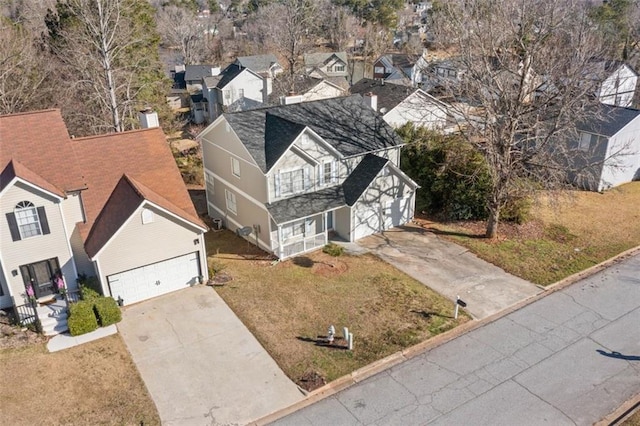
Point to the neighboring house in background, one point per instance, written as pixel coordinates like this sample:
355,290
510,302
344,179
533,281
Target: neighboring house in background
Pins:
195,73
441,76
234,89
326,64
286,176
112,206
619,84
266,66
402,104
608,149
306,89
397,68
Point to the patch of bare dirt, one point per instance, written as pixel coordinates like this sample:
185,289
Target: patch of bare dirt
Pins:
534,229
12,337
311,380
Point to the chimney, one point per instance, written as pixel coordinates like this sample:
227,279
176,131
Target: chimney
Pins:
215,71
180,68
148,119
371,100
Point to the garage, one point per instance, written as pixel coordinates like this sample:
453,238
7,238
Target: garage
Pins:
371,218
155,279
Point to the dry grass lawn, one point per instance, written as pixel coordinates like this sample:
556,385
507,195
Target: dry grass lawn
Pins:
91,384
565,235
289,306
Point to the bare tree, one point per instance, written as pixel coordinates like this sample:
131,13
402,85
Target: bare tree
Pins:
23,70
109,52
525,88
289,27
337,24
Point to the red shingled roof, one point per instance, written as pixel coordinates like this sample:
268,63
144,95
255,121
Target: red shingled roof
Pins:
17,169
47,157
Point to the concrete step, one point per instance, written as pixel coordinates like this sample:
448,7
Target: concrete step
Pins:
53,330
53,321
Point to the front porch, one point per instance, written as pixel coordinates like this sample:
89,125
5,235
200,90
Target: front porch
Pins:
302,235
48,314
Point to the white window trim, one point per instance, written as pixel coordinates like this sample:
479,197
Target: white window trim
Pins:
306,181
234,162
26,214
209,181
332,173
231,201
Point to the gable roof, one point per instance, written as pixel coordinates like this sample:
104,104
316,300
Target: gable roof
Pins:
258,63
279,135
228,75
347,194
399,60
389,95
613,119
347,124
16,169
360,179
40,142
318,59
197,72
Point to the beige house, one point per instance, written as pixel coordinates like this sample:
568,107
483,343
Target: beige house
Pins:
285,177
111,206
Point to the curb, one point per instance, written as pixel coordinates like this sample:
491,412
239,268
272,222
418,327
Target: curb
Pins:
396,358
622,413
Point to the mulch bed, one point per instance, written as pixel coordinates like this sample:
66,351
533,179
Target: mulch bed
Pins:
12,337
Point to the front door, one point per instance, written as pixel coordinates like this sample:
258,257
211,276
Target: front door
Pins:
40,276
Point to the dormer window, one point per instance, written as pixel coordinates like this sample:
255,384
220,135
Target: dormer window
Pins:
27,221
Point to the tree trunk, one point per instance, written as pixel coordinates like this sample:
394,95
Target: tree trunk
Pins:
492,222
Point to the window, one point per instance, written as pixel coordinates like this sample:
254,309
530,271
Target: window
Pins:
586,139
235,166
440,72
292,182
147,216
231,201
451,73
328,173
379,70
210,185
241,93
338,68
27,220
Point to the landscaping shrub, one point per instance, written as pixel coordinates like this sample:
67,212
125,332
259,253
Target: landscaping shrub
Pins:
87,293
333,249
81,319
107,311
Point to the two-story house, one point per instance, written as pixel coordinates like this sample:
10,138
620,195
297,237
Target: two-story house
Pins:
234,89
398,68
607,150
400,104
326,64
111,206
619,84
287,176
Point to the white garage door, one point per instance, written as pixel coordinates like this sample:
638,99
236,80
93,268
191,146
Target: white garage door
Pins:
155,279
368,219
397,212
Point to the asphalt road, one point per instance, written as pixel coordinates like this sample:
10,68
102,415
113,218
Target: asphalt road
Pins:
570,358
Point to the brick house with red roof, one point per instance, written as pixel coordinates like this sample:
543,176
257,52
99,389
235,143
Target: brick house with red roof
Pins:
112,206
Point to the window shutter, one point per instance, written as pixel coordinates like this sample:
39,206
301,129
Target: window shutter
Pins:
321,174
44,224
277,184
13,227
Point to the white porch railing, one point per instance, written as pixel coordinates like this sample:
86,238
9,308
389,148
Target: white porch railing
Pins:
296,246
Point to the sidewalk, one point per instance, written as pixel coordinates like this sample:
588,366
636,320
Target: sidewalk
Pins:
571,357
66,341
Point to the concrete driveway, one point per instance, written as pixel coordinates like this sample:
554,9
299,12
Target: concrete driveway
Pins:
449,269
201,365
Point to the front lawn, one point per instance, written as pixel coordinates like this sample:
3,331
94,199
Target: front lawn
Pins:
94,383
289,306
564,236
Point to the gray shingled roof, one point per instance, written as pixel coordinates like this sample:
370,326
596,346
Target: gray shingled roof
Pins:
257,63
197,72
347,124
360,179
306,205
347,194
229,74
315,59
389,95
613,120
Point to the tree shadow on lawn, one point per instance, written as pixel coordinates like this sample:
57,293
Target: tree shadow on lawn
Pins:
428,315
322,341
